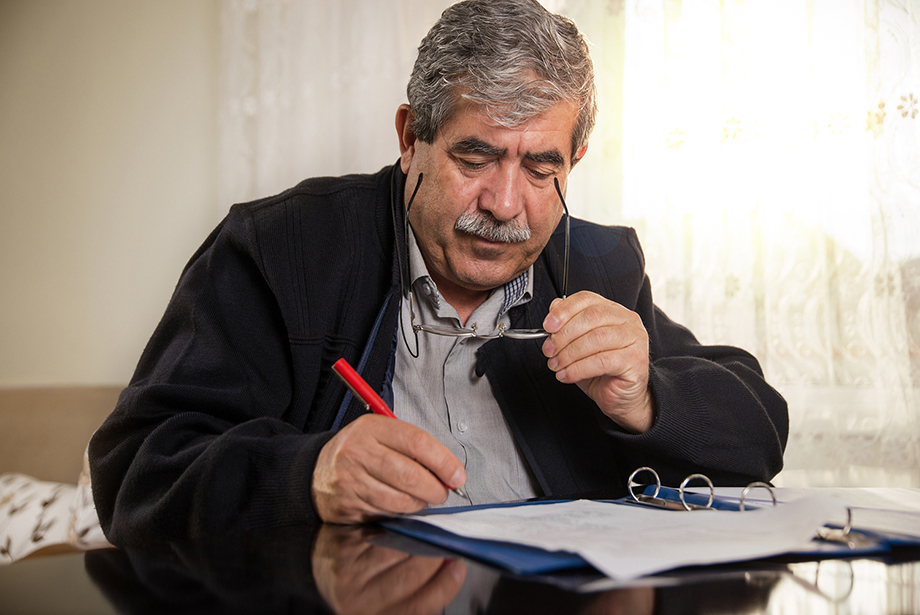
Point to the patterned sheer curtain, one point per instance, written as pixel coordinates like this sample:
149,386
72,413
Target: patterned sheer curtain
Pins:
311,87
771,161
767,151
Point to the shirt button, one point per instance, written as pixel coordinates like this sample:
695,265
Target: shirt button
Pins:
462,426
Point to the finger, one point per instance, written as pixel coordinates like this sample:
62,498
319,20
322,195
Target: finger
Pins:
343,491
420,446
580,313
562,310
338,502
377,480
593,330
608,350
370,469
623,370
398,474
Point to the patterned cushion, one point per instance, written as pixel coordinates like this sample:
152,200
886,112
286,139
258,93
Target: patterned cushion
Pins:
36,514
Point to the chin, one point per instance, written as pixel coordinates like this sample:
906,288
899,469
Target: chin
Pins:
477,280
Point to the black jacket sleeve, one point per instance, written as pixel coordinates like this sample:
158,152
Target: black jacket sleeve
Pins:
715,412
199,442
234,396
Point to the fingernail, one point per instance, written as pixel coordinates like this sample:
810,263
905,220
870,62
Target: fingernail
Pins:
458,479
560,375
549,349
551,323
457,570
553,363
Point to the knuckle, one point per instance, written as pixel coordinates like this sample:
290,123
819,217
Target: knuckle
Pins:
636,323
594,316
607,362
600,337
408,476
416,440
640,353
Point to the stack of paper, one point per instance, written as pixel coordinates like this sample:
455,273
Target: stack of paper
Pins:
629,541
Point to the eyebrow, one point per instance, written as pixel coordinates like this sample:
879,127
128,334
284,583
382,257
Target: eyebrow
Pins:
551,156
473,145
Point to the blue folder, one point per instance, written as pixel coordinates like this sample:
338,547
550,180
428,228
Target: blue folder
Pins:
526,560
517,558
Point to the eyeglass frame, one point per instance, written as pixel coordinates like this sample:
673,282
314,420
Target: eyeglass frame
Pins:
471,332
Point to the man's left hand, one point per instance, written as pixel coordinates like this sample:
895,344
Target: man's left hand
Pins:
603,348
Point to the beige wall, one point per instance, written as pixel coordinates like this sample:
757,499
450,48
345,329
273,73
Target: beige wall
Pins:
108,177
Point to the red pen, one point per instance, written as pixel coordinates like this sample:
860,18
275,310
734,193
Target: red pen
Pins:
361,389
367,396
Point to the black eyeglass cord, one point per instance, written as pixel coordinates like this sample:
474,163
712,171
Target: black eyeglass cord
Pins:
565,256
402,285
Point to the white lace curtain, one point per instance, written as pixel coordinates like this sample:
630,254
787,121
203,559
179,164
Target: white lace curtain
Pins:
771,156
768,152
310,87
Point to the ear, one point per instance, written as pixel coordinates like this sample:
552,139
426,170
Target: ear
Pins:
579,155
407,138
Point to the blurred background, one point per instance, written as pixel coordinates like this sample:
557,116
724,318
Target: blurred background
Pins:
767,151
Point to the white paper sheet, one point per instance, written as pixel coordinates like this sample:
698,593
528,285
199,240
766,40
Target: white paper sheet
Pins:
885,509
626,542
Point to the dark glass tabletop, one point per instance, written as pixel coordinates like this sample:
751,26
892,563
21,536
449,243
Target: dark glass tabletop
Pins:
367,570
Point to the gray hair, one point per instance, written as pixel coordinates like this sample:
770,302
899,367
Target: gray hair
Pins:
513,57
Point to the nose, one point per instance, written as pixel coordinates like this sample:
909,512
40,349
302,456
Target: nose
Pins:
505,197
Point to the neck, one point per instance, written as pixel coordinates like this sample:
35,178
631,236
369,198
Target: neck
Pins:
464,300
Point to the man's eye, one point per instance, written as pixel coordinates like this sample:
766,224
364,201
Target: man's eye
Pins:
472,164
539,175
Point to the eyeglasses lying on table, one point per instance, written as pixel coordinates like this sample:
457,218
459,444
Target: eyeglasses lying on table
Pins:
465,332
683,493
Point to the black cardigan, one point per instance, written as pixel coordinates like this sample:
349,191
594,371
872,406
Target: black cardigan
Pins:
233,397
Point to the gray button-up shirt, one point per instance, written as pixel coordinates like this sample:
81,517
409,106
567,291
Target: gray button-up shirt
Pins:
440,392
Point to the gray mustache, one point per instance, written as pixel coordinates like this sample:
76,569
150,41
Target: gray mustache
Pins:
485,225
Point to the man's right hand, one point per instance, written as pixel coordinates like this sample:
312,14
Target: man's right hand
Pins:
377,466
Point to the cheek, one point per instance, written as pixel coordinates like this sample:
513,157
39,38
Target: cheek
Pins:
544,222
433,222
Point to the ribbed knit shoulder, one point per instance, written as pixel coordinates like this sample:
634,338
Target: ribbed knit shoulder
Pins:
333,233
597,241
320,198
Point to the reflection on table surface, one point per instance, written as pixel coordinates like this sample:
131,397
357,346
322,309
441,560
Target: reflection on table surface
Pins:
365,570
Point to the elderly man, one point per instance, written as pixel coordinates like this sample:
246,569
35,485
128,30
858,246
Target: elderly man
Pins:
520,349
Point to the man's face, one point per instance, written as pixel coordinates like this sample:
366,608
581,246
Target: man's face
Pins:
498,176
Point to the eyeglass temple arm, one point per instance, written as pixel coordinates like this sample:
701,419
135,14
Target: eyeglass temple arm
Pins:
565,257
418,184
